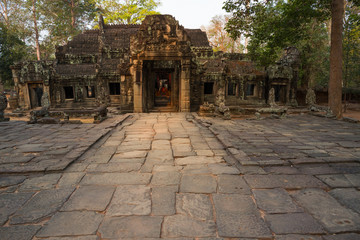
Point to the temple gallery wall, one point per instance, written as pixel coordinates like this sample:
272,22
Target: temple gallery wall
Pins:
141,68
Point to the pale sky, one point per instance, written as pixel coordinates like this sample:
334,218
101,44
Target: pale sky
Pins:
192,13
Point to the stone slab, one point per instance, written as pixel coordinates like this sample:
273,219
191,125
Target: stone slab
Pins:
198,160
70,179
42,205
39,183
71,224
198,184
349,197
114,167
137,227
196,206
18,232
237,216
275,201
284,181
10,203
95,198
116,178
333,216
232,184
335,180
163,200
183,226
300,223
165,178
130,200
6,181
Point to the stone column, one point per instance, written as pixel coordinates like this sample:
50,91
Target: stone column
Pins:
185,86
138,86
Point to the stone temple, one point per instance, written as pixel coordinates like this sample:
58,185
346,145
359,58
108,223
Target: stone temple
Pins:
153,66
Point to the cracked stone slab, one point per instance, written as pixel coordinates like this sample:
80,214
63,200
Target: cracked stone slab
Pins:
10,203
198,184
116,178
138,227
275,201
18,232
335,180
70,179
42,205
114,167
300,223
130,200
333,216
71,224
95,198
6,181
223,169
183,226
196,206
237,216
298,237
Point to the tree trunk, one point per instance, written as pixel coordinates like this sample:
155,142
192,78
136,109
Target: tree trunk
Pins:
36,32
73,22
335,82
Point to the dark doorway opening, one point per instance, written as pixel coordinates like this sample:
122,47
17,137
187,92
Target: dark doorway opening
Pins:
280,93
162,89
35,94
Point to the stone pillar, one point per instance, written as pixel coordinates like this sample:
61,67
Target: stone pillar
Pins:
138,86
3,105
185,86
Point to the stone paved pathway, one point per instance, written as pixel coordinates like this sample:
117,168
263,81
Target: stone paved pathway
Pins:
168,176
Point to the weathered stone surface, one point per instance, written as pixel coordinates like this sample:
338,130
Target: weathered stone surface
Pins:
130,200
349,197
345,236
39,183
42,205
129,154
91,237
196,169
196,206
10,203
335,180
333,216
218,169
198,184
163,200
138,227
70,179
237,216
114,167
232,184
275,201
297,237
183,226
354,179
159,156
94,198
165,178
6,181
71,224
283,181
18,232
301,223
198,160
160,145
116,178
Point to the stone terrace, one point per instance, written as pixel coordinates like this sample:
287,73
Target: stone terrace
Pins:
178,176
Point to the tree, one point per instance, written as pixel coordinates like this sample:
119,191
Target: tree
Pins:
12,49
126,11
219,39
36,30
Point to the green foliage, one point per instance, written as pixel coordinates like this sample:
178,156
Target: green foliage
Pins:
12,49
351,46
126,11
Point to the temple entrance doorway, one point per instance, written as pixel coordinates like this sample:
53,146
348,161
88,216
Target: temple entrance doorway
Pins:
162,79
